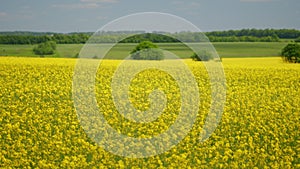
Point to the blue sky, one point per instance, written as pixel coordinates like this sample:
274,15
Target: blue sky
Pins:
90,15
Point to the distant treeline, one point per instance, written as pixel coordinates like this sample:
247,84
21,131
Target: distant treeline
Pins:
35,39
244,35
281,33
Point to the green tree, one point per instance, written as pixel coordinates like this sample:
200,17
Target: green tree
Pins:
291,53
146,50
202,55
45,48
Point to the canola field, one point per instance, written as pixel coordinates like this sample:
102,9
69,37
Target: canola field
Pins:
259,127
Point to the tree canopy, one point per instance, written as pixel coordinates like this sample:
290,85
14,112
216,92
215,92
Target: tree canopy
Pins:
45,48
291,53
147,50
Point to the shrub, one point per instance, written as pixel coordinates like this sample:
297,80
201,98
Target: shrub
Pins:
298,39
202,55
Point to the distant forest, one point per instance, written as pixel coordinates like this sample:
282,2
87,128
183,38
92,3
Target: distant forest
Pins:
244,35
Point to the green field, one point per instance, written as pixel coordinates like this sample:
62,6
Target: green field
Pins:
224,49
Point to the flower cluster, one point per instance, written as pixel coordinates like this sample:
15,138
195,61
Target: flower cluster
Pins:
259,128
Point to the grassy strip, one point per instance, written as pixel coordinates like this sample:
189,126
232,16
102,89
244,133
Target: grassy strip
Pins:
224,49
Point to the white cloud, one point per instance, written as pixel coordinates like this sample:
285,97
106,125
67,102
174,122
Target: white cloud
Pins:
3,14
100,1
77,6
186,5
25,7
102,17
85,4
256,0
